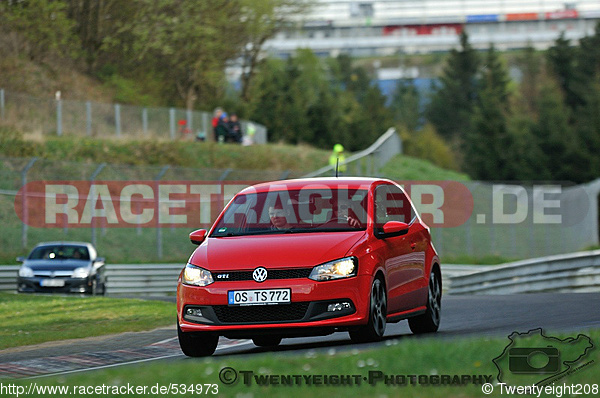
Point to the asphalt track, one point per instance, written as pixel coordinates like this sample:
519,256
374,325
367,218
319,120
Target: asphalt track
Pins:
461,316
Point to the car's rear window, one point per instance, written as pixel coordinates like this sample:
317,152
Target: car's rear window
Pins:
60,252
290,211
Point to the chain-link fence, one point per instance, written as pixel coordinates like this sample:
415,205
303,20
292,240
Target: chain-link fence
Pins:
505,220
125,244
518,221
94,119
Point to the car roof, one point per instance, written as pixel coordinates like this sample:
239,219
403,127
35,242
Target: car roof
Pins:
331,182
63,243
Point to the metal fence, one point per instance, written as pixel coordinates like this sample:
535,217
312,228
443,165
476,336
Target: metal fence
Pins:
86,118
136,243
511,235
481,235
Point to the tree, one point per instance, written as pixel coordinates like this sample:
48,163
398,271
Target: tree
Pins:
556,138
263,19
451,106
405,105
562,63
587,62
308,99
95,21
189,41
489,142
531,67
587,128
39,27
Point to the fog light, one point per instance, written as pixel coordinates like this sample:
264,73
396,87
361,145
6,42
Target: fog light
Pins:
194,312
338,306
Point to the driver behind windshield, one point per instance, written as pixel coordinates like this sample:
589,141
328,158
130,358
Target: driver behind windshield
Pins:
279,217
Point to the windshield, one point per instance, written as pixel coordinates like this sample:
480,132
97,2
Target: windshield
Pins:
291,211
60,252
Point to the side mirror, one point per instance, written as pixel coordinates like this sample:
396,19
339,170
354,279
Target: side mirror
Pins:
20,259
198,236
100,260
393,228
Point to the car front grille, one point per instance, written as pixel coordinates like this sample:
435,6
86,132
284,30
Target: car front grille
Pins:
261,313
293,273
52,274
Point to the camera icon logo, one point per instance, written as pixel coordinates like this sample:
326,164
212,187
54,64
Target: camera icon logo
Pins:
534,360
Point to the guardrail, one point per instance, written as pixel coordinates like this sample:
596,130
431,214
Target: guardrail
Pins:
142,279
576,272
128,279
374,157
8,277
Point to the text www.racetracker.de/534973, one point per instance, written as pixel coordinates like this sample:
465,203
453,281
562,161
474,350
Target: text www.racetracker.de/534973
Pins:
17,390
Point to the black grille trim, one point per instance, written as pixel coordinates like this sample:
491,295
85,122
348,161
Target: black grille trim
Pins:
293,273
260,313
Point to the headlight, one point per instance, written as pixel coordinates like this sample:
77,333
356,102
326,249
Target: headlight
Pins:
25,272
81,272
193,275
342,268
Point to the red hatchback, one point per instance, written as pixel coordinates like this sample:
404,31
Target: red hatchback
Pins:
309,257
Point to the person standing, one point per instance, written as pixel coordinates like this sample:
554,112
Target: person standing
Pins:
235,129
338,159
222,129
217,114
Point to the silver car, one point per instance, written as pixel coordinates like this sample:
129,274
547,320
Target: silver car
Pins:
65,267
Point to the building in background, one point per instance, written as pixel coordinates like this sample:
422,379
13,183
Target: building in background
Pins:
388,27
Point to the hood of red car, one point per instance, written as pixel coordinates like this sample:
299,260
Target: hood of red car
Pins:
276,251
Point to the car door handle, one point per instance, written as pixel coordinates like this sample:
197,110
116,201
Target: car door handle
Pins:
413,246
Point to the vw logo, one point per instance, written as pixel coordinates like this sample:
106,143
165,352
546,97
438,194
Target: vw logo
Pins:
260,274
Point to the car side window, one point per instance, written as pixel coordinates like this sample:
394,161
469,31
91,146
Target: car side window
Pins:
391,204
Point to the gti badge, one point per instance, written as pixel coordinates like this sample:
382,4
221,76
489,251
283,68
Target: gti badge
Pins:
260,274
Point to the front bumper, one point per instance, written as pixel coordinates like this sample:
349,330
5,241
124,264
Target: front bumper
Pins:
308,307
71,285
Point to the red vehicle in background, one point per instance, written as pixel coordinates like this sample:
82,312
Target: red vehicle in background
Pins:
309,257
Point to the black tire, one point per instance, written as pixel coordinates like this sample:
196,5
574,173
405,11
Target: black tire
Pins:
375,328
429,322
197,344
266,341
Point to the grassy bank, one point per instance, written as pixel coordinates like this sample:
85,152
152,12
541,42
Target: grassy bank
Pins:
400,356
188,154
33,319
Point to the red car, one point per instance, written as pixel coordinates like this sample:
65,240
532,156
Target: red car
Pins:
309,257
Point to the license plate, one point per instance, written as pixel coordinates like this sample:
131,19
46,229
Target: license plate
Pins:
254,297
52,283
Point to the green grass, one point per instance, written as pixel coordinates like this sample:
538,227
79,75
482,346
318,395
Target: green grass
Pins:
402,168
152,152
403,356
32,319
